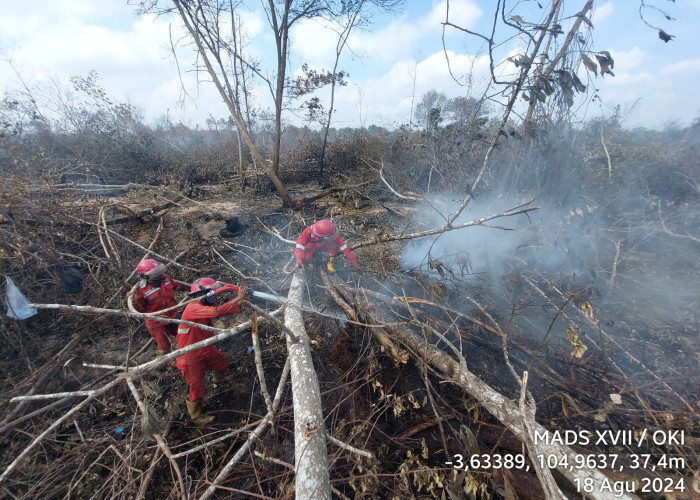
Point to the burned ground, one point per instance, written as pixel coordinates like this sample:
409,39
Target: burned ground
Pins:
595,295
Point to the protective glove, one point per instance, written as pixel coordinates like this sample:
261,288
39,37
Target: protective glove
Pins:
357,266
330,267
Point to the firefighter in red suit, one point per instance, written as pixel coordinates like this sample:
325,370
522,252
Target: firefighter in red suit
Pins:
156,291
194,365
322,236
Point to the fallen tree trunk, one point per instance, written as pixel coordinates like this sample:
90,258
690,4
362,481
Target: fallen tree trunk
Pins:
502,408
310,455
400,356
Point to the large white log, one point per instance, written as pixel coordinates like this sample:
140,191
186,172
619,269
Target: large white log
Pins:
310,455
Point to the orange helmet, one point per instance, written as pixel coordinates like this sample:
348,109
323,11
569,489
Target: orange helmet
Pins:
149,268
324,228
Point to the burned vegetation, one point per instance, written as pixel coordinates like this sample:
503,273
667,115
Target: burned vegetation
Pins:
546,336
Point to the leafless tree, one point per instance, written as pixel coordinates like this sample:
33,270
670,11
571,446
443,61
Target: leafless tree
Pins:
553,42
215,28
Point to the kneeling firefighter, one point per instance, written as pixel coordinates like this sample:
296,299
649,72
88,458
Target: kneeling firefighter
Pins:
322,236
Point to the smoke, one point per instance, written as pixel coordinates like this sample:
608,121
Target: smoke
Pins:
621,251
552,239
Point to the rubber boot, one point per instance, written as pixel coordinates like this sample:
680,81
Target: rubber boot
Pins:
194,408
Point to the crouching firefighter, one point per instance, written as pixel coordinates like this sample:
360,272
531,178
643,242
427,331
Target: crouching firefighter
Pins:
322,236
155,292
194,365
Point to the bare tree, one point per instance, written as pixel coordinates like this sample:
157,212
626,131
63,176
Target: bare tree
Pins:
553,42
353,14
351,21
215,28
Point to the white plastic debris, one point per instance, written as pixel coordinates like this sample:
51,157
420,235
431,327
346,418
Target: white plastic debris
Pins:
17,303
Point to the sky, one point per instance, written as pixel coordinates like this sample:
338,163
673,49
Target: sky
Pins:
392,62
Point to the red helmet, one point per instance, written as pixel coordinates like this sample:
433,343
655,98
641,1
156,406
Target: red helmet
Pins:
324,228
149,268
203,284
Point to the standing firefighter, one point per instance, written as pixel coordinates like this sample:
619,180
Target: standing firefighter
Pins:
156,291
194,365
322,236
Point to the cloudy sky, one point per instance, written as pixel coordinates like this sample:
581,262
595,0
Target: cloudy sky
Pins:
392,62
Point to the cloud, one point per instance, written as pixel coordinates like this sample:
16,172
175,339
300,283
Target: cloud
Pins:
314,41
626,60
433,72
658,96
131,55
463,13
388,99
602,12
390,73
681,67
390,67
400,38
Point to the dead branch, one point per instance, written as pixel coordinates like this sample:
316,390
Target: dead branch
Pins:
527,410
411,196
614,266
425,426
148,477
274,232
416,300
626,352
449,226
99,235
149,212
54,425
232,267
212,442
103,223
349,448
505,410
267,420
273,320
400,356
159,439
136,371
671,233
150,365
111,231
605,148
44,372
258,361
323,194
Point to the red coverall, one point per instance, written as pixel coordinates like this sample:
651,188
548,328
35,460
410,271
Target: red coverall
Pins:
193,365
308,245
156,298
